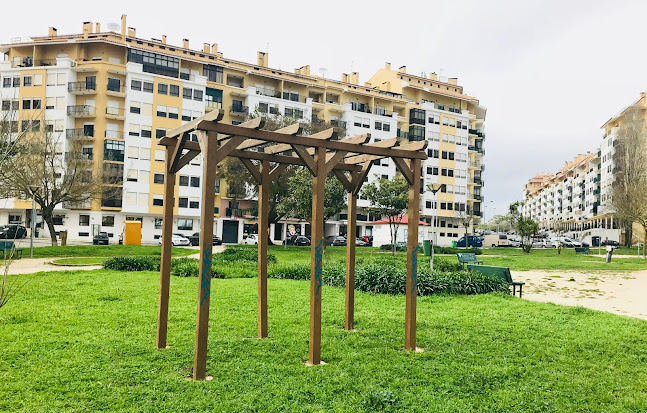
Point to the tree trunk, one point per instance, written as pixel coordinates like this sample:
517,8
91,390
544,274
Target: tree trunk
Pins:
48,217
628,234
393,235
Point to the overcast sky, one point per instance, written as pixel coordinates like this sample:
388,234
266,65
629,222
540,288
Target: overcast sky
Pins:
549,72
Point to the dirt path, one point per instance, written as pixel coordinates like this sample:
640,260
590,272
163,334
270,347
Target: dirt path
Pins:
619,293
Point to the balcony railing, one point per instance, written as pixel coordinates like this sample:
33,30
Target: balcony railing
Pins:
81,111
478,181
116,88
387,114
473,131
112,111
82,87
114,134
29,62
80,134
211,105
338,123
239,110
365,109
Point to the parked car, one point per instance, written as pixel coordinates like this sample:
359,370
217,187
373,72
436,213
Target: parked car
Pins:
339,241
359,242
401,244
496,240
328,240
195,239
543,243
12,231
472,241
514,243
610,242
301,241
567,242
289,240
177,240
101,239
252,239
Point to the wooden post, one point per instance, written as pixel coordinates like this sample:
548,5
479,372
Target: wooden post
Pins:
349,316
316,256
412,257
209,148
165,266
263,215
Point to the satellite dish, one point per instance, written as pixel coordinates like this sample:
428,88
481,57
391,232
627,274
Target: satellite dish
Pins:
323,71
114,27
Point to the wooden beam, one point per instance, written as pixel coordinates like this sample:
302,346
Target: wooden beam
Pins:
316,257
358,180
171,136
177,152
253,169
349,313
313,142
278,169
323,135
224,150
404,169
333,160
165,265
290,160
185,159
209,172
213,116
293,129
345,182
305,156
412,258
357,159
263,236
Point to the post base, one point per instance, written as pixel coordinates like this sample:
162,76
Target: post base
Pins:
321,363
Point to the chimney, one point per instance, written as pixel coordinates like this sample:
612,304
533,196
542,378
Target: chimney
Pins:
98,29
345,77
185,43
402,69
51,32
205,47
433,76
387,66
304,70
123,26
164,38
354,78
453,81
132,32
386,86
87,29
214,48
261,59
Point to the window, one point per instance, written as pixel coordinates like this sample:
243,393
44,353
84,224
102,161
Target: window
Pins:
183,202
158,222
187,93
135,107
113,150
197,95
131,175
6,82
386,127
136,85
195,181
172,112
58,219
174,90
417,116
108,220
184,180
194,203
155,63
378,125
133,129
161,111
416,133
50,103
35,104
26,104
158,178
148,87
158,201
114,85
146,132
160,133
16,81
26,81
30,125
159,154
213,73
217,185
185,224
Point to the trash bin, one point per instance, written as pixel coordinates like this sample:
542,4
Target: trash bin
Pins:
454,243
426,246
63,235
595,241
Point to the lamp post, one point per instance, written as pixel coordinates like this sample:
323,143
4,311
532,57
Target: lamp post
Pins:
434,188
32,189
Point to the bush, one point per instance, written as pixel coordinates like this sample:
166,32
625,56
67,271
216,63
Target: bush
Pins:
389,247
455,250
136,263
240,253
389,277
185,267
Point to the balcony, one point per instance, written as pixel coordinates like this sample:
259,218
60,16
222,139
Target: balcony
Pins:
231,212
238,110
210,105
478,181
81,111
82,88
81,134
386,114
338,123
116,90
363,109
115,113
473,131
114,134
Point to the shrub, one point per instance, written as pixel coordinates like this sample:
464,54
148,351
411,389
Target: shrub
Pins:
240,253
389,247
185,267
136,263
289,271
454,250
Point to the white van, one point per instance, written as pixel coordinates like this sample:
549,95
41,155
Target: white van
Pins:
496,240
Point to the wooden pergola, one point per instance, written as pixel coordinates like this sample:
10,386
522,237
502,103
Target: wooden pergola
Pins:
266,154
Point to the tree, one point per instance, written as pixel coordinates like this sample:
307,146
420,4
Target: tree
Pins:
299,199
10,137
559,226
467,218
526,227
62,179
389,198
628,195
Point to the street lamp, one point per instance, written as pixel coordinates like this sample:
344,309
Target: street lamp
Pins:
32,189
434,188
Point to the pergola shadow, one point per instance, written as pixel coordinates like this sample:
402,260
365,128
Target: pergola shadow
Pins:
266,155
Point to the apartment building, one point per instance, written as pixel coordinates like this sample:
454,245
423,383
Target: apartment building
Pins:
118,94
578,197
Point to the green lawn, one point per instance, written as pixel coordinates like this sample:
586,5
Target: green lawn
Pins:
80,261
103,251
84,341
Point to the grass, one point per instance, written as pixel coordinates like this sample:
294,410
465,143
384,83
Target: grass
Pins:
84,341
104,251
80,261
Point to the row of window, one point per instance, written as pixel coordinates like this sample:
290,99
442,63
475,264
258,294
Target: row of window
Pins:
167,89
27,80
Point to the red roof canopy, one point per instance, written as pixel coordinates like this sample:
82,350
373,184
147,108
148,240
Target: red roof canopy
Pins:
401,220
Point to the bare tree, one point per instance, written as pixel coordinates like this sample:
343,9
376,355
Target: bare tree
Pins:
466,218
62,178
10,136
628,196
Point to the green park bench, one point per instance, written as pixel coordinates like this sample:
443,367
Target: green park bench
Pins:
501,272
466,258
8,246
583,250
